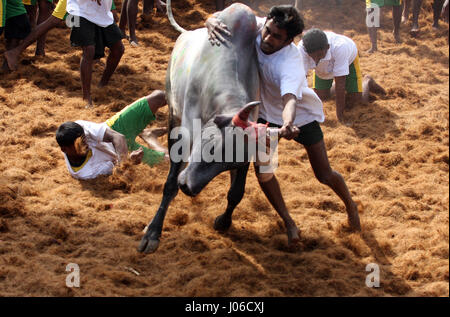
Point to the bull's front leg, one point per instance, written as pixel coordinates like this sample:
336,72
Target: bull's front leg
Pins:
235,194
150,241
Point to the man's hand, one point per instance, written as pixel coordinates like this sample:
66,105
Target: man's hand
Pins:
136,156
289,131
215,30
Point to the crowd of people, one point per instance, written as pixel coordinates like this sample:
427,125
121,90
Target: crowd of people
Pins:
91,149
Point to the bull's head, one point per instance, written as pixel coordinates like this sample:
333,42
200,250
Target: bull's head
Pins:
227,142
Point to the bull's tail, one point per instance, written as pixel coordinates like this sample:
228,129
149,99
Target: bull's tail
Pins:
172,20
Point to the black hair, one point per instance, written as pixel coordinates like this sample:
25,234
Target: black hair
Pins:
315,40
288,18
68,132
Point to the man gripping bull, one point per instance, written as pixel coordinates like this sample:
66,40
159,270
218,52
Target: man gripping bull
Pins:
288,102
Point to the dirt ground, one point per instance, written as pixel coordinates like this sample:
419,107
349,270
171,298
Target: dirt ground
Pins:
395,159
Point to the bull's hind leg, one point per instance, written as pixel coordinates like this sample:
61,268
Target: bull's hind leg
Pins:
235,194
150,241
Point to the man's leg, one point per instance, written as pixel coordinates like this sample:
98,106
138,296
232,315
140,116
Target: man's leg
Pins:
397,19
405,14
369,85
269,184
417,5
31,13
123,22
115,54
437,9
86,72
12,56
318,158
155,100
45,8
132,9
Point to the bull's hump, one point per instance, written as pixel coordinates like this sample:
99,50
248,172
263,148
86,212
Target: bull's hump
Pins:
240,20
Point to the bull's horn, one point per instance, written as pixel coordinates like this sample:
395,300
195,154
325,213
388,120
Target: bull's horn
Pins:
245,112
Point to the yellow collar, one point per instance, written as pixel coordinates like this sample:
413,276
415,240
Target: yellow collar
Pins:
88,156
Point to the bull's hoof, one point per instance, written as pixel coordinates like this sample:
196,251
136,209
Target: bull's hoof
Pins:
222,223
148,245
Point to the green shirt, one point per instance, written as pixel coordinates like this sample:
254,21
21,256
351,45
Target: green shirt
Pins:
14,8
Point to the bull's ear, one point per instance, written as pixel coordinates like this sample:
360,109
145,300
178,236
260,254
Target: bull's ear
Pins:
222,120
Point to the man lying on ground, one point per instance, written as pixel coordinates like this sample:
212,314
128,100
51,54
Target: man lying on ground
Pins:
92,149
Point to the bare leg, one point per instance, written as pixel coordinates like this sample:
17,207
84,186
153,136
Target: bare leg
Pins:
271,189
406,6
132,9
115,54
417,4
86,72
318,158
323,94
9,45
31,12
12,56
437,9
370,85
44,14
397,19
373,39
123,18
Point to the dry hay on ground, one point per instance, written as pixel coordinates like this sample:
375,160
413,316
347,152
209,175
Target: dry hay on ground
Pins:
394,158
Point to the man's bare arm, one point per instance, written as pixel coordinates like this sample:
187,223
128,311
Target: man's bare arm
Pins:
288,130
340,97
119,142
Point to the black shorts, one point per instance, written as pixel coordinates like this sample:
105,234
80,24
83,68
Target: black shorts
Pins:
88,33
17,27
310,133
1,31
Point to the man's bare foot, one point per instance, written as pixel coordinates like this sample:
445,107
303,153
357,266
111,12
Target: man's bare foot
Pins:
435,26
404,19
397,37
88,102
372,50
293,234
353,217
152,140
12,58
373,86
414,30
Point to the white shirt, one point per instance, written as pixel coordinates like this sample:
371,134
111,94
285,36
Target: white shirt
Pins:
340,55
103,155
282,73
90,10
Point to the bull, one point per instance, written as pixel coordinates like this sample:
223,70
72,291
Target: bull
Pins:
213,85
